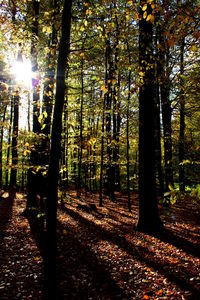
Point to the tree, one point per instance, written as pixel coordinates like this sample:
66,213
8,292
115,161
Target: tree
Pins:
55,152
3,111
33,176
149,219
182,124
13,176
164,79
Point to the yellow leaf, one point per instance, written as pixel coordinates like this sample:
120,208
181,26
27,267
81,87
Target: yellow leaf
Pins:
46,29
36,258
145,15
26,144
170,186
152,19
193,48
104,89
136,16
148,18
141,74
49,30
144,7
64,231
26,152
82,28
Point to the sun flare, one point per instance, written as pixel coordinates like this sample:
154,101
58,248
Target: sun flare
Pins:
23,73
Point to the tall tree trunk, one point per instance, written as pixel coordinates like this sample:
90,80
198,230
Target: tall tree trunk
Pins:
118,183
47,105
157,116
116,134
116,108
95,154
9,141
166,110
66,142
102,143
127,141
109,95
86,171
53,172
36,96
158,141
127,130
33,180
13,176
80,149
90,164
28,116
94,169
182,125
149,219
1,145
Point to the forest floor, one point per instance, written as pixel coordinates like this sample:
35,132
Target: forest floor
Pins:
100,255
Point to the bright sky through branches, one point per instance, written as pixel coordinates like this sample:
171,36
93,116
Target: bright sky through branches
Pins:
23,73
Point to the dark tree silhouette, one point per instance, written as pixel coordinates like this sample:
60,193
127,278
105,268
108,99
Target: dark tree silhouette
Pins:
149,219
53,171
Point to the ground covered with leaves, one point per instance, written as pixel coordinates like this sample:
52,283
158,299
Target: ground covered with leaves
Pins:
100,255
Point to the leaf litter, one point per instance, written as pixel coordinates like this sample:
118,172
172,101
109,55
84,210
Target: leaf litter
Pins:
100,254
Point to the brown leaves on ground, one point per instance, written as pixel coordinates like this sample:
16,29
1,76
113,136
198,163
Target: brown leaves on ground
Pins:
100,255
20,272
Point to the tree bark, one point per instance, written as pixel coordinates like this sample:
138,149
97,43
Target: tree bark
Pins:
1,145
102,142
158,151
80,152
116,110
149,219
127,142
166,109
33,177
13,176
182,125
47,105
9,141
110,176
53,171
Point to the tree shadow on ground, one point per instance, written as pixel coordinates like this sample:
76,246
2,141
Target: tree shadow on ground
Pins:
181,277
6,212
77,257
6,207
167,236
36,224
80,274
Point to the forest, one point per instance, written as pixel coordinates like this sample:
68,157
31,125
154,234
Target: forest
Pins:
99,149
